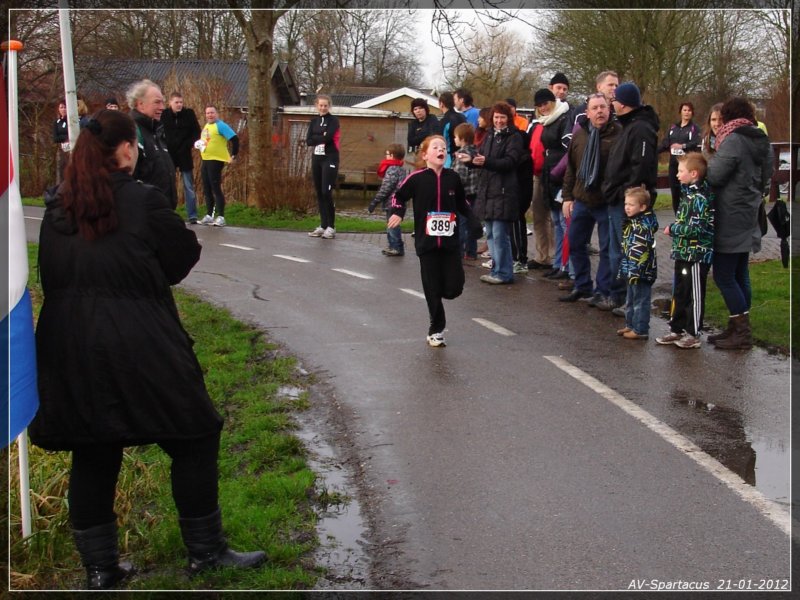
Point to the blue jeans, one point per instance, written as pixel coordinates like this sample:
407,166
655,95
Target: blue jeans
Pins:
468,247
395,237
560,229
499,240
617,284
732,276
188,192
579,233
637,311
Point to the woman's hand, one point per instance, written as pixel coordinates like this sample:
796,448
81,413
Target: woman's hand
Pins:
566,209
479,160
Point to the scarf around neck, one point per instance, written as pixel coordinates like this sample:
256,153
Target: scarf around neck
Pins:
589,171
730,127
386,163
560,109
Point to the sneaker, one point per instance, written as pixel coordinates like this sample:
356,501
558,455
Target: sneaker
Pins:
486,254
688,341
670,338
624,330
619,311
488,264
567,284
192,221
207,220
530,231
390,252
632,335
596,299
436,340
329,233
492,280
317,232
520,268
219,221
606,304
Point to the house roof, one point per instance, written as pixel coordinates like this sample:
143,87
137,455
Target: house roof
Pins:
368,97
397,93
344,111
109,75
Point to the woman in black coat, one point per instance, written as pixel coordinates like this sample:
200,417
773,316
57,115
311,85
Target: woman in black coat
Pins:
115,366
497,202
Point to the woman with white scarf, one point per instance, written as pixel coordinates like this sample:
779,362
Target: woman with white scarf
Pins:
556,135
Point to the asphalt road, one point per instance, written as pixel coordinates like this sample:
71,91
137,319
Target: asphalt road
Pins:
538,450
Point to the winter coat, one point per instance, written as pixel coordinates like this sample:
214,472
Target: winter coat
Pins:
739,173
573,188
555,138
633,160
693,230
325,130
638,263
498,184
391,181
469,175
433,193
689,136
181,130
419,130
114,362
60,131
155,165
450,120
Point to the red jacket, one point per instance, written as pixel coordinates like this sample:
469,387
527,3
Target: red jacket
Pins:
537,149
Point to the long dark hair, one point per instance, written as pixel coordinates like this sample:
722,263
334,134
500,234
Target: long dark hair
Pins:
86,192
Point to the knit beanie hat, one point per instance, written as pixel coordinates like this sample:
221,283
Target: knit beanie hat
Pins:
559,78
628,94
543,96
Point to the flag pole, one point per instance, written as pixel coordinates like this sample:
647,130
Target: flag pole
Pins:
70,90
12,47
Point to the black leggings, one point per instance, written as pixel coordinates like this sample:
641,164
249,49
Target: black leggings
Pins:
325,170
442,277
211,173
95,469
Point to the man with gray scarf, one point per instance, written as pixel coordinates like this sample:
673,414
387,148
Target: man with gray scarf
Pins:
583,202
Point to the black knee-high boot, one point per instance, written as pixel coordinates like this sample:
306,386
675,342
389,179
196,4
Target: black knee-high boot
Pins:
208,547
98,547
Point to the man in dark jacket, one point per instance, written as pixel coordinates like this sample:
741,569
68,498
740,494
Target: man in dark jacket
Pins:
155,165
584,203
182,131
633,162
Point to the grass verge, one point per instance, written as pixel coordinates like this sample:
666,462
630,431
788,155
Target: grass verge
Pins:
769,314
267,492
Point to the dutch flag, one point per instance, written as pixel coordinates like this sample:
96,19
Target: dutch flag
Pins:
19,352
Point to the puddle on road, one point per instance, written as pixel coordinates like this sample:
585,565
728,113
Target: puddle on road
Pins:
760,462
341,528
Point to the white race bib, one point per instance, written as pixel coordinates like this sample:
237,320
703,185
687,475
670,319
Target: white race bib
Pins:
319,149
440,224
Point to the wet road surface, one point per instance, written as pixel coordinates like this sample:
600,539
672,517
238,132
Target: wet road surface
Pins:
507,460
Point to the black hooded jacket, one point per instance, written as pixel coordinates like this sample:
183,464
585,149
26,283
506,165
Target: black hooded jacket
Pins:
155,165
633,159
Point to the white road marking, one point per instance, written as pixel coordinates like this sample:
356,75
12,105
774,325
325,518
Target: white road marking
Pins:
354,274
494,327
34,218
413,293
770,509
293,258
237,247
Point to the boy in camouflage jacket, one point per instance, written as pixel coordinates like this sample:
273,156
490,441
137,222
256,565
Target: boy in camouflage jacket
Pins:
638,265
692,250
